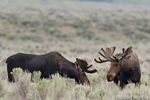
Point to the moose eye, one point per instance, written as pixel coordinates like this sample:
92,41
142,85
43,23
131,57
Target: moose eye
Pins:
116,65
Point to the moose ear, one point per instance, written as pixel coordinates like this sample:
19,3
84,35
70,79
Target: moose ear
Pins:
77,59
81,61
127,57
76,64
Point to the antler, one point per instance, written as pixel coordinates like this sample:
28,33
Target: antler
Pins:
90,71
85,69
108,53
84,66
125,53
100,60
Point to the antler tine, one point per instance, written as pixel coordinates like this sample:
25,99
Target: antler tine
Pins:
108,53
128,49
89,66
103,51
113,49
100,60
113,59
90,71
103,55
123,50
116,59
125,53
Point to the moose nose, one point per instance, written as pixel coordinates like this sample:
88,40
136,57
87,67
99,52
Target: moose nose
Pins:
109,78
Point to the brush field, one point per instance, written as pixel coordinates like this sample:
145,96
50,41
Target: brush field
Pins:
75,30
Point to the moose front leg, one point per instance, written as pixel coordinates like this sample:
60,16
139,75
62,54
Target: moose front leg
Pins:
123,80
77,81
122,84
116,81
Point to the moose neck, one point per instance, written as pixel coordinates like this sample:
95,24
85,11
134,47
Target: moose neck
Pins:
64,62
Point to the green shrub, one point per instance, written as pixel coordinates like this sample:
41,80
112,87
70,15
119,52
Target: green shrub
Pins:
16,73
96,94
137,91
13,18
43,85
129,32
1,88
36,76
42,88
88,93
82,90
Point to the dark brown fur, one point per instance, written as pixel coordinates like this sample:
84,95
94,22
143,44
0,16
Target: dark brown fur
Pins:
129,70
47,64
125,70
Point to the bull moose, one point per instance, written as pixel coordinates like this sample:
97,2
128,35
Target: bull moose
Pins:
124,66
49,64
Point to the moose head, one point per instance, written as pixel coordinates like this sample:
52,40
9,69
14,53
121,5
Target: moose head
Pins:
82,67
116,61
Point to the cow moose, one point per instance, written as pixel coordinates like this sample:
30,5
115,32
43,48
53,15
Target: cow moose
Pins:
49,64
124,66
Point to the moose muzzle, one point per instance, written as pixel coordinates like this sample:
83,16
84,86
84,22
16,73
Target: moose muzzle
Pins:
110,77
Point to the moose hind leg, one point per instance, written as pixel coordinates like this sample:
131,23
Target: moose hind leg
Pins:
32,75
10,76
137,84
45,75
